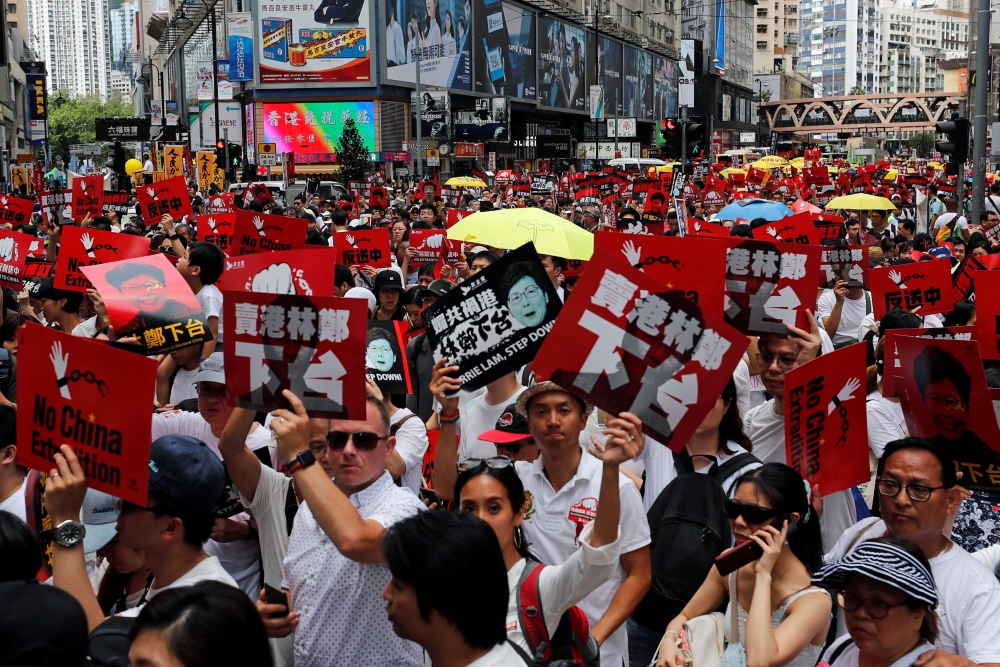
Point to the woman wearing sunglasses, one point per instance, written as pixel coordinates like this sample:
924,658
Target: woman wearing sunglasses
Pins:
886,590
782,619
491,489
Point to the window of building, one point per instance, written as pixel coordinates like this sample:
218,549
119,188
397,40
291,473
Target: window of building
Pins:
762,46
762,29
762,12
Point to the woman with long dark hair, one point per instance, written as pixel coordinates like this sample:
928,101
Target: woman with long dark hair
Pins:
781,618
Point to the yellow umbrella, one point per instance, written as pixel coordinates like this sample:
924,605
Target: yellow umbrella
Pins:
937,166
770,162
512,228
891,175
861,202
667,168
465,182
732,170
798,162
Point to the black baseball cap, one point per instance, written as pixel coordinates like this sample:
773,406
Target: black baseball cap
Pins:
388,279
510,427
185,469
439,287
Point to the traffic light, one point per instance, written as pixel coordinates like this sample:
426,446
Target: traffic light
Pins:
220,153
957,145
671,133
235,156
695,138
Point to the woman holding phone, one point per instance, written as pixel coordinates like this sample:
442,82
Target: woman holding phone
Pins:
782,619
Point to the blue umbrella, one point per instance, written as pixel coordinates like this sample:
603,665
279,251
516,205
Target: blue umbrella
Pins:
755,208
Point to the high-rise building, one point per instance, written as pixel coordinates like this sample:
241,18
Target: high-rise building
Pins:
71,36
122,29
840,45
776,37
914,41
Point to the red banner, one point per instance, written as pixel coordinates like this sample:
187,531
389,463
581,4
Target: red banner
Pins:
987,313
306,272
797,228
826,421
904,287
314,346
89,396
148,299
363,247
116,202
427,244
13,255
625,343
843,263
167,197
221,203
88,195
698,227
217,228
260,232
15,211
770,286
88,247
676,262
815,176
258,192
890,361
655,209
455,215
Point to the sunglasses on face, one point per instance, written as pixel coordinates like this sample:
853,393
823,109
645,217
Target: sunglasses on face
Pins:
497,462
363,441
752,514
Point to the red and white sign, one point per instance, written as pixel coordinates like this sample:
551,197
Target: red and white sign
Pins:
87,247
260,232
907,286
363,247
428,242
15,211
455,215
890,360
843,263
167,197
217,228
221,203
13,255
797,228
988,313
52,205
88,196
306,272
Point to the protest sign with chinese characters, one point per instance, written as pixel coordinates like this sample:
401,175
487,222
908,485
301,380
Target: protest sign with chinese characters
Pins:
15,211
890,359
385,357
769,286
220,203
306,272
949,402
364,247
314,346
699,227
217,228
988,313
13,255
962,286
826,421
173,161
906,286
845,263
89,396
797,228
427,244
495,322
258,192
117,203
35,248
166,197
52,205
625,343
148,299
678,263
260,232
89,247
88,195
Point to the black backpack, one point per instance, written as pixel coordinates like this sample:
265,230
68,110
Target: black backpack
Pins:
689,528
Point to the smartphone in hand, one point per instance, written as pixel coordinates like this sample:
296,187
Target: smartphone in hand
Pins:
274,595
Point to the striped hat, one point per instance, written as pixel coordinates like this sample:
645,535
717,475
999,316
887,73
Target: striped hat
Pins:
884,562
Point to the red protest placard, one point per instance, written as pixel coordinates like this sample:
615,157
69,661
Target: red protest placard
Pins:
906,286
843,263
891,355
685,264
427,244
217,228
52,205
307,272
363,247
88,247
455,216
258,192
949,402
15,211
314,346
797,228
91,397
769,286
116,202
35,248
13,255
88,195
815,176
260,232
147,298
655,209
221,203
385,357
166,197
826,421
987,313
623,342
699,227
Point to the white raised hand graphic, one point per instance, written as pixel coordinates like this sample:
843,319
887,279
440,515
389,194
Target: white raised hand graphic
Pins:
258,222
897,278
8,249
59,363
845,394
632,254
88,244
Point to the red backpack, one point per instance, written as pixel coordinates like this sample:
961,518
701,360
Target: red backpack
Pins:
571,644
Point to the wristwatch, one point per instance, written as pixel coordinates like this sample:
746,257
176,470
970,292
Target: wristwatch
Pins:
69,533
303,460
174,236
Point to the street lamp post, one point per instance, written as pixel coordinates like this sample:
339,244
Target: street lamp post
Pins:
144,79
760,100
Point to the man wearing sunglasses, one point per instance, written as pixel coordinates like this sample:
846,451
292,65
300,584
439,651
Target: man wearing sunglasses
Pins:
335,570
918,497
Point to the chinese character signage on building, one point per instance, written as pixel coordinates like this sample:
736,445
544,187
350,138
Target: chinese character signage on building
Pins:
311,130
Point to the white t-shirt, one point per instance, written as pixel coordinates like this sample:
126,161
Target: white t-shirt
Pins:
849,656
969,597
16,504
209,569
502,655
990,558
851,315
478,418
741,378
183,387
412,444
885,422
210,299
555,521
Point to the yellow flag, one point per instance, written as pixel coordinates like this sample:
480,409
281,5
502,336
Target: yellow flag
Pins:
173,161
206,169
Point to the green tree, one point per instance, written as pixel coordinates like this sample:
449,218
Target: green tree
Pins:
71,120
764,96
857,90
352,154
922,143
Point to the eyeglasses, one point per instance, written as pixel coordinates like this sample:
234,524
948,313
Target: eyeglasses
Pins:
875,608
951,401
210,392
517,298
363,440
917,492
147,286
752,514
496,462
784,363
